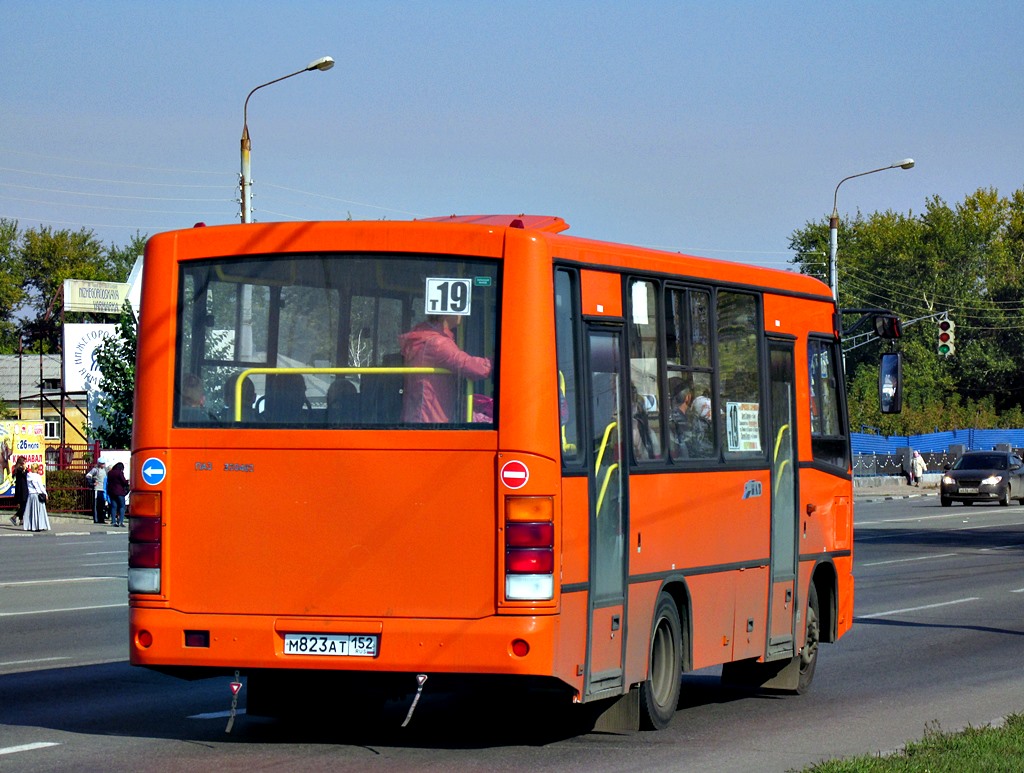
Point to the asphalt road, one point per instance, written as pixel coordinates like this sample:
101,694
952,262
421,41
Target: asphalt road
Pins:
937,642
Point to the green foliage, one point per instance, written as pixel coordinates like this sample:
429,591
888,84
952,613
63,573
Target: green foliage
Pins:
33,266
965,260
975,749
66,491
115,358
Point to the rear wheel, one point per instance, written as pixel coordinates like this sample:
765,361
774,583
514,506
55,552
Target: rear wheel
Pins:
809,652
659,694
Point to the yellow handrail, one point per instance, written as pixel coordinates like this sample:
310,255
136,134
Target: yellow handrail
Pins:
337,371
604,487
604,445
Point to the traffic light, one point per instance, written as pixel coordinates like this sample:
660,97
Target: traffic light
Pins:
947,337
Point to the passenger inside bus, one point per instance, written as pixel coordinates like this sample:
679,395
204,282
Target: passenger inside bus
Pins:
690,423
285,398
342,401
432,398
248,399
193,399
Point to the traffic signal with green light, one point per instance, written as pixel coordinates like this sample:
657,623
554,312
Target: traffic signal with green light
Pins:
947,336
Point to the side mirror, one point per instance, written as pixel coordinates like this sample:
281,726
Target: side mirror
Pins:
890,383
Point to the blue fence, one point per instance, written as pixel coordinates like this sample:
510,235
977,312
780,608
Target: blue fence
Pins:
937,442
882,455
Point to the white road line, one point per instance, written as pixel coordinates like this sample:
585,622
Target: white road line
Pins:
905,560
51,582
27,747
915,609
66,609
35,660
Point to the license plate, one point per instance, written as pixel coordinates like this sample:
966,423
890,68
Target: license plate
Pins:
968,490
339,644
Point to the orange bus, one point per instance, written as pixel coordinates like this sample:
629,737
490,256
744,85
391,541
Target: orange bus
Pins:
478,447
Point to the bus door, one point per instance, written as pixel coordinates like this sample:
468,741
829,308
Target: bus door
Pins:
606,436
785,518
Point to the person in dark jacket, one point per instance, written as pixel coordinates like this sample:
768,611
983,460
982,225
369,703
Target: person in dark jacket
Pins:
117,490
20,490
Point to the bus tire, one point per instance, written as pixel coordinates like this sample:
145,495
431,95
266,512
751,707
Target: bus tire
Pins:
809,652
659,694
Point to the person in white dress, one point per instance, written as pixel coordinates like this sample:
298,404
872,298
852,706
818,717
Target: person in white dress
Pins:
35,518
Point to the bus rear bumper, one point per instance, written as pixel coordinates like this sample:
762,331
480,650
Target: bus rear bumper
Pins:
514,645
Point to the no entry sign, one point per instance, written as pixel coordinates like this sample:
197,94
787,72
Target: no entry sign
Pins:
514,474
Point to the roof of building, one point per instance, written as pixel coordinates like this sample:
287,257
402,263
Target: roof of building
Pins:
28,365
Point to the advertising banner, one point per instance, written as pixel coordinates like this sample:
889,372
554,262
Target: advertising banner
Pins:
21,438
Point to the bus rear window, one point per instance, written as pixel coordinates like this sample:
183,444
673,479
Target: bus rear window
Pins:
337,340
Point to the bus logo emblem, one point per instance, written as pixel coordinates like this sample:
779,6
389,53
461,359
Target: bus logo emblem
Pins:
514,474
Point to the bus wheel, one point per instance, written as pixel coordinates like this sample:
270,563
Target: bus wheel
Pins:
659,694
809,652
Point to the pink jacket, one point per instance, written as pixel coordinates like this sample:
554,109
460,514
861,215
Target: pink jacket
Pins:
431,397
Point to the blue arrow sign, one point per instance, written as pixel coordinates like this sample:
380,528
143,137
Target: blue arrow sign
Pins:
153,471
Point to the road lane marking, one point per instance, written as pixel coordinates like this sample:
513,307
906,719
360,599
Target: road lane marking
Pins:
915,609
35,660
66,609
51,582
904,560
28,747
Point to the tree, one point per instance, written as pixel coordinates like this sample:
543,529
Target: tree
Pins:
966,261
115,357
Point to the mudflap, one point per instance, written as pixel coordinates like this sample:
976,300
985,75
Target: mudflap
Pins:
775,675
619,715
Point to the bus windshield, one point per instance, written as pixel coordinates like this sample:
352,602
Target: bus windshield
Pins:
333,340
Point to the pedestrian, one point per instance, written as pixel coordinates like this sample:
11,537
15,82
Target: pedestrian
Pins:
35,518
918,467
432,397
117,490
97,478
20,490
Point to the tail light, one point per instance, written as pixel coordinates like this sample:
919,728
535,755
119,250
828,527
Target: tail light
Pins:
144,535
529,549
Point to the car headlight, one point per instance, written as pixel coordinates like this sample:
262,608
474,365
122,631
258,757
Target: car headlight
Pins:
992,480
947,481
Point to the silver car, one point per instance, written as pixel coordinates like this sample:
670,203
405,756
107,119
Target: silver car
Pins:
983,476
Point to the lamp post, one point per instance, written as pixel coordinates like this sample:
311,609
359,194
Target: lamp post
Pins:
323,63
833,222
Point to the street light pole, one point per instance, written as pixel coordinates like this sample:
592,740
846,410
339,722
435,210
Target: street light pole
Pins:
323,63
833,222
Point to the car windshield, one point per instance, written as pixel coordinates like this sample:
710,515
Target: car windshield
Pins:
981,462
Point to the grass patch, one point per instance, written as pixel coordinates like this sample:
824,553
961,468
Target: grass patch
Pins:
986,749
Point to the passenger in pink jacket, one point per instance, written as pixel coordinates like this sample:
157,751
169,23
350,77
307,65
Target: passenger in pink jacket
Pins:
432,397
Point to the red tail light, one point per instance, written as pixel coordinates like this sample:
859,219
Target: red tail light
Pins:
529,548
144,542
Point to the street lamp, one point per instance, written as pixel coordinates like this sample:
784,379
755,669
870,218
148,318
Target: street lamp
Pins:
833,222
323,63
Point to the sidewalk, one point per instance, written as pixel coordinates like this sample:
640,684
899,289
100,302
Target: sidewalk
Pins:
882,487
61,525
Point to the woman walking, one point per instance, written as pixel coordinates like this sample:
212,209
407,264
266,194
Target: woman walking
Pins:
34,518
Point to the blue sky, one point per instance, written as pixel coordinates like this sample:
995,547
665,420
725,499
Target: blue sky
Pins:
709,128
